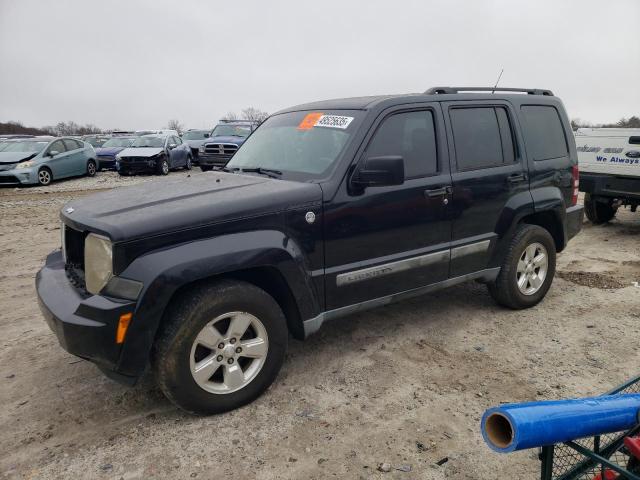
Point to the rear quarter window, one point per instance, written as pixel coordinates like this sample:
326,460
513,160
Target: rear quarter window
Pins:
543,132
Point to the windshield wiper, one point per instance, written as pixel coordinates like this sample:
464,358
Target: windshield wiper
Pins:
269,172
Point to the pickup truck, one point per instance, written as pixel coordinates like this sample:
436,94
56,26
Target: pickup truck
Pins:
609,159
328,208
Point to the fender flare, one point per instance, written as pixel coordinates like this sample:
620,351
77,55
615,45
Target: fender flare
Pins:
164,271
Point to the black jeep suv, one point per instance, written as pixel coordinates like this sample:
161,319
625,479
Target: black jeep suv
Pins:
327,209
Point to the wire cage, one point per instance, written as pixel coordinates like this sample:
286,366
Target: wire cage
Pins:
602,457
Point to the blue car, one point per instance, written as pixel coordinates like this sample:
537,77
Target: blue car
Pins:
108,151
41,160
154,154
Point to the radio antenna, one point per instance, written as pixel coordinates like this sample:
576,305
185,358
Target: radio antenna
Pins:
497,81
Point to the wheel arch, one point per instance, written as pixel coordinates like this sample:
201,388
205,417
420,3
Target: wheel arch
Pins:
549,220
277,267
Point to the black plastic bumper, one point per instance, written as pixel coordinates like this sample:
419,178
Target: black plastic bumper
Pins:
85,325
611,186
575,217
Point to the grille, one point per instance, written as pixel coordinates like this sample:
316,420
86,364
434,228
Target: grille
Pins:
74,247
7,166
9,179
221,150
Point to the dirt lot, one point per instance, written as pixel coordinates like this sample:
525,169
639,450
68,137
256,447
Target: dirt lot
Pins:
404,384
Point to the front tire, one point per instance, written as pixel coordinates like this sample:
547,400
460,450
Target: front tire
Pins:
220,346
527,270
92,168
598,212
163,167
189,163
44,176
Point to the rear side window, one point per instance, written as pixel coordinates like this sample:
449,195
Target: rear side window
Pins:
411,135
634,140
543,132
482,137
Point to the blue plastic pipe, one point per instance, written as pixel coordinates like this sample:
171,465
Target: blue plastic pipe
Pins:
516,426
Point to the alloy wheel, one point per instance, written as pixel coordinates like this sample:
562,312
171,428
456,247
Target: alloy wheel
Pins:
227,362
91,169
44,177
532,268
165,167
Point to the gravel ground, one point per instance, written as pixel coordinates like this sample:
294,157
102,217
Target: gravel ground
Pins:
404,384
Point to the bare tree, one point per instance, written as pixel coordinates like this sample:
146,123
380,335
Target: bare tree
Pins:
254,114
175,125
231,116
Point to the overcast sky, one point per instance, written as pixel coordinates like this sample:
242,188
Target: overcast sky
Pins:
137,64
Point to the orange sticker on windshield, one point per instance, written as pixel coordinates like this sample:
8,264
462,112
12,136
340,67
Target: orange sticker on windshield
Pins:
310,120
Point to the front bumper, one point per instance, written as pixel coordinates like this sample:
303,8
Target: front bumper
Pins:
19,176
575,217
106,162
147,165
84,324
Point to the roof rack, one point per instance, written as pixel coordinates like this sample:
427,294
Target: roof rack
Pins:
448,90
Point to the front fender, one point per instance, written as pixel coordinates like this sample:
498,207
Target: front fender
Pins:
164,271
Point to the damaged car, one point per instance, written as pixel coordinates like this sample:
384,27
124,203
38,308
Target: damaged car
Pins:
154,154
108,151
42,160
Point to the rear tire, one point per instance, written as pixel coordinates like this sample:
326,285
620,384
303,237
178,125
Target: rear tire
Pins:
527,270
598,212
45,176
92,168
191,368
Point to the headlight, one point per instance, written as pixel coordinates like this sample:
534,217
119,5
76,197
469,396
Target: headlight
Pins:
25,165
98,262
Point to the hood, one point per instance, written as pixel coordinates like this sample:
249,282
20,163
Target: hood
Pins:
197,142
226,139
108,151
141,151
14,157
160,207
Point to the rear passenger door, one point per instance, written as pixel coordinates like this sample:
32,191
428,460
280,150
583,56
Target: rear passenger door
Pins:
489,179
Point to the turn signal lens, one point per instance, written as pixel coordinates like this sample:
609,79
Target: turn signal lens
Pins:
123,325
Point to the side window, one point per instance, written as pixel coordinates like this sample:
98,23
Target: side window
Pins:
178,140
411,135
482,137
543,132
70,144
56,146
634,140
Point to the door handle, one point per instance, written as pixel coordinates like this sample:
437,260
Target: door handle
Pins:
516,178
438,192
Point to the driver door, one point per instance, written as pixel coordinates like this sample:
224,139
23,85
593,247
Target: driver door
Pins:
387,240
57,162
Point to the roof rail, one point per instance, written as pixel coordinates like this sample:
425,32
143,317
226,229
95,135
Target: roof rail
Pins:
449,90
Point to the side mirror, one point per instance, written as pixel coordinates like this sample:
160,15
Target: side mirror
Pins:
380,172
206,135
172,146
53,153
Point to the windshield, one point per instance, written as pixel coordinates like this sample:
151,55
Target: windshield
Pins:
305,144
117,142
96,141
231,131
148,141
25,146
195,135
